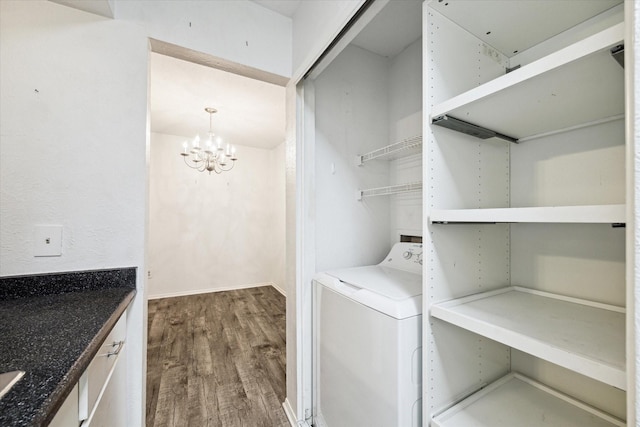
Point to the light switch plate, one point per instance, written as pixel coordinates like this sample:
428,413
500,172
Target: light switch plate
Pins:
47,240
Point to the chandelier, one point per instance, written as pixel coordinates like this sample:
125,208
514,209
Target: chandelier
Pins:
212,157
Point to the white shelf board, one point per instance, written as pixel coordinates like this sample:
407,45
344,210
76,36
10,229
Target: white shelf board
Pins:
591,214
582,336
404,148
515,400
548,94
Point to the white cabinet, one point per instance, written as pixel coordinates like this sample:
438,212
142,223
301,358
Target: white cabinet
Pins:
99,398
525,203
102,385
110,411
67,415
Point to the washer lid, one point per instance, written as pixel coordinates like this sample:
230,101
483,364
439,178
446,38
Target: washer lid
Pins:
391,283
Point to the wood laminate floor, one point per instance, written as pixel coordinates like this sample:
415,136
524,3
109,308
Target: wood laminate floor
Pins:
217,359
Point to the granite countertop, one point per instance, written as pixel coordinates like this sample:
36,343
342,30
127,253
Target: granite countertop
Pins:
51,326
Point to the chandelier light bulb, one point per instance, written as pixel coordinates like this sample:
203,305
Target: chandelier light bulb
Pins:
210,159
196,144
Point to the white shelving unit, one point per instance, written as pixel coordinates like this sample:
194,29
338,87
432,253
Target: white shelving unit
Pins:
545,87
407,147
562,108
516,400
579,335
614,214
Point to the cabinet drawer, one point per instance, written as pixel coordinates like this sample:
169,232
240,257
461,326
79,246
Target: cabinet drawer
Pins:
66,415
95,379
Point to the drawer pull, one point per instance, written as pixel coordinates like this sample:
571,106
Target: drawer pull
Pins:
117,346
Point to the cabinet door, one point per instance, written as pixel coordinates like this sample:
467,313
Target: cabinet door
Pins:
67,415
111,410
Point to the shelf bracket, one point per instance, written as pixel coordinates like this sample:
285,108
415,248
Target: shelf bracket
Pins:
618,54
508,70
469,128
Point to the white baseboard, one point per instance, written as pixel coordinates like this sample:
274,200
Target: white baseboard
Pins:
206,291
279,289
291,415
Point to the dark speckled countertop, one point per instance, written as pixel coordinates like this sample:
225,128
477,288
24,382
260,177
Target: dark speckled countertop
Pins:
51,326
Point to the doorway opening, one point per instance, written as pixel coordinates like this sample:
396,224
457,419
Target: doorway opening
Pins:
216,241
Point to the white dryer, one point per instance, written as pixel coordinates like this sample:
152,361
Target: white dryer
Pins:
367,342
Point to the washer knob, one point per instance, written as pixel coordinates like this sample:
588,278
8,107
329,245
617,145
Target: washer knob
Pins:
407,255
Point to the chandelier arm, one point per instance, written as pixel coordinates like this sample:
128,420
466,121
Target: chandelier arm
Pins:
209,159
194,166
227,169
200,165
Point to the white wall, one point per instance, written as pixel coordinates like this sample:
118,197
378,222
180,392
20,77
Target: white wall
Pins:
85,142
214,232
351,113
278,202
240,31
73,91
364,101
405,121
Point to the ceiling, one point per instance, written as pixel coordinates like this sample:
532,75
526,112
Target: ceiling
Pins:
250,112
394,28
283,7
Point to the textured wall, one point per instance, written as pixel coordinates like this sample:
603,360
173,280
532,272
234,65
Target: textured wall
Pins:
405,121
214,232
240,31
73,137
72,149
351,113
278,161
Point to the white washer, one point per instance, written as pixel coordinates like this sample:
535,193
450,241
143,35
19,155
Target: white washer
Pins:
367,342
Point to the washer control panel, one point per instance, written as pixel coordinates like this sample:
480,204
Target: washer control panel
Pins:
405,256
